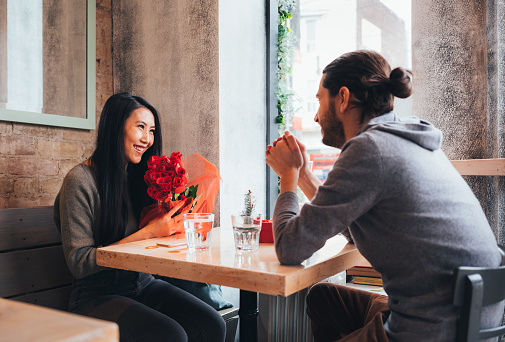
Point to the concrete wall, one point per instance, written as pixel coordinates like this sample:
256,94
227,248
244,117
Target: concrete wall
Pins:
495,125
34,159
64,58
167,52
449,61
201,64
458,64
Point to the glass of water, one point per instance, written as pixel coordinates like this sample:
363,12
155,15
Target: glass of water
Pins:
198,229
246,231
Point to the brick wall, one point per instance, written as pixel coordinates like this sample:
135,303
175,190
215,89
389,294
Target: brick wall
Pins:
34,159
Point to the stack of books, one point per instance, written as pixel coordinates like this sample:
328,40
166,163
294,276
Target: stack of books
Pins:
365,275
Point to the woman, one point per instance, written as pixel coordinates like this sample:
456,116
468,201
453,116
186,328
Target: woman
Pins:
99,204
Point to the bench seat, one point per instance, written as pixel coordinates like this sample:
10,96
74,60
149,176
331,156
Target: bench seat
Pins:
33,266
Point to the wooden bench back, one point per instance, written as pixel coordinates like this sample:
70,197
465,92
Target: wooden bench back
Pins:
32,264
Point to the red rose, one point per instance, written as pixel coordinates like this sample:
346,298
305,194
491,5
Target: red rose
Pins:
157,163
152,161
158,195
180,171
163,195
147,178
153,176
164,160
173,164
177,156
152,192
177,181
164,183
178,185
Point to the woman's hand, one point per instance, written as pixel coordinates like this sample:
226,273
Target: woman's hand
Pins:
164,226
168,225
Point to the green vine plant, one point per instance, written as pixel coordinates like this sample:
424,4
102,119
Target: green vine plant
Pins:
285,52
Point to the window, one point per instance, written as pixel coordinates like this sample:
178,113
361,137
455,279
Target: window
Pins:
325,29
311,35
371,38
24,57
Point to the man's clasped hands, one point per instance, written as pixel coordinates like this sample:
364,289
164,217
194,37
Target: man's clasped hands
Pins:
287,156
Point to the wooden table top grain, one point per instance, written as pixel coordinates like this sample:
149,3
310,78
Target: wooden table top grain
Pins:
28,322
258,271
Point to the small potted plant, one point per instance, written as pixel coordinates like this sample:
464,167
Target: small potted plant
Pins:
247,226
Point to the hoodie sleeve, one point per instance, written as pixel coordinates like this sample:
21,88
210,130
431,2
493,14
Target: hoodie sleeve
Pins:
353,187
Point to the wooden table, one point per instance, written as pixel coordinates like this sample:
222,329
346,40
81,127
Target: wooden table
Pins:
28,322
251,272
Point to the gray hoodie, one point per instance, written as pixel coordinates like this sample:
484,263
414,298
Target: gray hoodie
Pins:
410,214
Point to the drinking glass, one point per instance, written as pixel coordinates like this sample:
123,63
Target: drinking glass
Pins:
198,229
246,231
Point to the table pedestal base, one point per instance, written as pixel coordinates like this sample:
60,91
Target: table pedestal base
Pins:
248,313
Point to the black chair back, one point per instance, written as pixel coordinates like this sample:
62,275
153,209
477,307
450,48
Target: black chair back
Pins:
475,287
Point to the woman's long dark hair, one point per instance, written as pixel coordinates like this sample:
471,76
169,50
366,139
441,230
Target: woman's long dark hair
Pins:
369,78
110,163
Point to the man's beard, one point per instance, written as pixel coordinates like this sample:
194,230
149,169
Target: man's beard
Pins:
333,130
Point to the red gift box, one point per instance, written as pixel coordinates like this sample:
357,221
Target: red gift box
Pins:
266,234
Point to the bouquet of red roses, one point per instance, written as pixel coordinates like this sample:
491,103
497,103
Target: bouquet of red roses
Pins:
169,184
165,177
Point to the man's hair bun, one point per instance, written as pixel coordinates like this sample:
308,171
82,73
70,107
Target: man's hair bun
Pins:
400,82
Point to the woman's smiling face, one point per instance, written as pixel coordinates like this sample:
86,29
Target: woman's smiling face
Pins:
138,134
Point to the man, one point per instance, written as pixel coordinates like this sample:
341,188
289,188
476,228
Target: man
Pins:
396,195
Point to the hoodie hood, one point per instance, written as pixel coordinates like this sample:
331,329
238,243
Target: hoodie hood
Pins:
412,128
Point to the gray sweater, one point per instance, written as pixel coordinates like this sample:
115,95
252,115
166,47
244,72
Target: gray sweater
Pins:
77,213
410,214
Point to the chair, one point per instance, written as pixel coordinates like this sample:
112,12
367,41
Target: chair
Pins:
475,287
